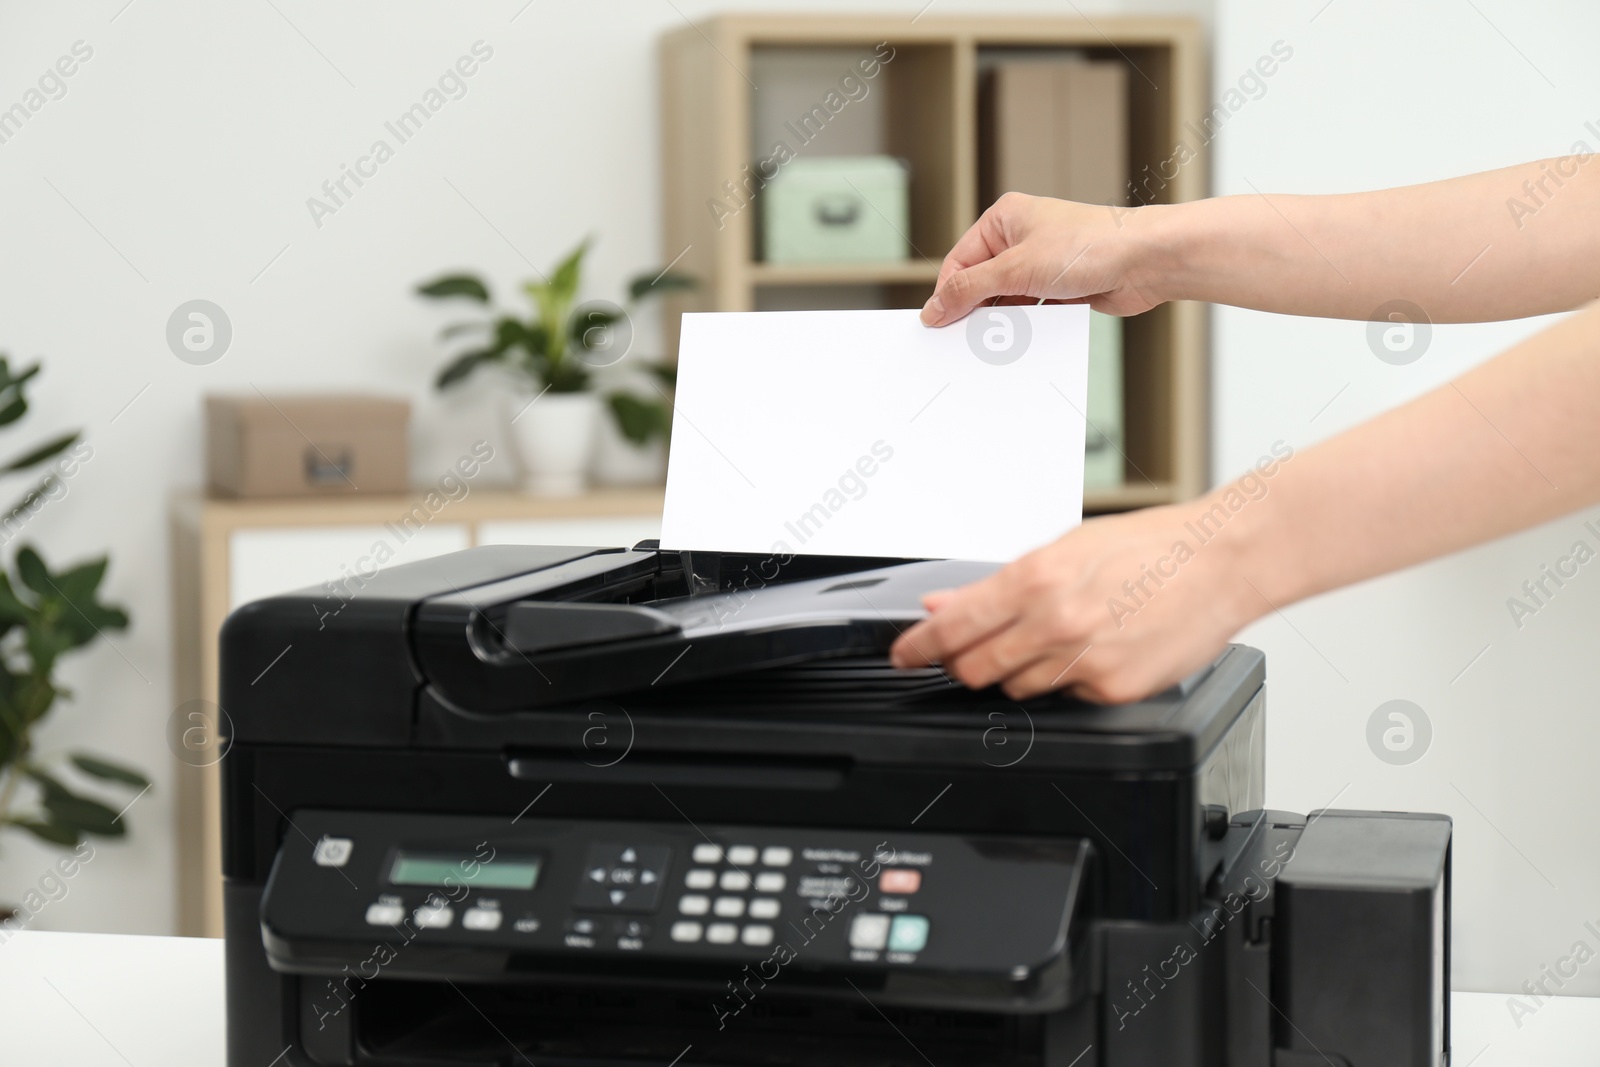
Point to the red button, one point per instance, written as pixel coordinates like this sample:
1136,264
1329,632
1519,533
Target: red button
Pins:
899,880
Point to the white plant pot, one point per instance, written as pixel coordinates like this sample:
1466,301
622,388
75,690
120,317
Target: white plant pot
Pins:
618,461
555,438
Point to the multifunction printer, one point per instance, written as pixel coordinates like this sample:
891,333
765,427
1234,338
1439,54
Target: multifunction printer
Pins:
579,806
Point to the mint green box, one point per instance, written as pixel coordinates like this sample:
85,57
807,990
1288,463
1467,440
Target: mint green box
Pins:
1104,438
853,209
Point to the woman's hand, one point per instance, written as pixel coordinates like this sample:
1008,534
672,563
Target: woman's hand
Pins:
1035,248
1119,608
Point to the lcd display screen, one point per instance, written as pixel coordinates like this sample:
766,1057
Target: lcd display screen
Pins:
449,869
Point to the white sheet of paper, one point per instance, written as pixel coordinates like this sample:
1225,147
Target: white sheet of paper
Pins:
866,433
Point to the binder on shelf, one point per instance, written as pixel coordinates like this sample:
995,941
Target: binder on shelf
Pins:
1054,128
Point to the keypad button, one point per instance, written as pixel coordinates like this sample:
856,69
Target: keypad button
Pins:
769,882
707,853
429,917
742,855
777,856
700,878
899,880
685,931
729,907
332,851
869,931
763,908
756,935
735,881
481,919
722,933
909,933
385,914
626,878
694,904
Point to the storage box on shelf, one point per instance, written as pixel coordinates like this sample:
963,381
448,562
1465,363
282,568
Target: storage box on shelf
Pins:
836,85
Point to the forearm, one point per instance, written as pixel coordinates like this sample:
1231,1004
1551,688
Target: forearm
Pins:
1507,446
1497,245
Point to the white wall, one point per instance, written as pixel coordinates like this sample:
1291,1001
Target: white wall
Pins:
181,158
1380,94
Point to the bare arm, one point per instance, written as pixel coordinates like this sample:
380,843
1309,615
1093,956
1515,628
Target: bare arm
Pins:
1507,446
1502,244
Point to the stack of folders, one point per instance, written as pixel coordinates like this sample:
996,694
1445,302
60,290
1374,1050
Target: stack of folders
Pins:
1059,128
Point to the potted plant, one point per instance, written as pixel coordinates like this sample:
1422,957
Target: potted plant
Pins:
44,615
556,357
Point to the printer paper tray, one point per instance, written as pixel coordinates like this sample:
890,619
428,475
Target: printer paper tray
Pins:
595,627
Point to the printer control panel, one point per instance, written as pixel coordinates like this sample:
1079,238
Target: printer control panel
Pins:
350,882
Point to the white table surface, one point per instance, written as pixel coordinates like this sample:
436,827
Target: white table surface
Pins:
105,999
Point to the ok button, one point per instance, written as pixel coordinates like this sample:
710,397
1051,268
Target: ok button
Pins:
624,875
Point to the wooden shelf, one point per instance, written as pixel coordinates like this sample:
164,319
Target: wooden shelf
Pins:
898,273
480,505
927,96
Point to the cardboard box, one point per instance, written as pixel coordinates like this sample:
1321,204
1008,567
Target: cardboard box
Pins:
1054,128
837,210
259,446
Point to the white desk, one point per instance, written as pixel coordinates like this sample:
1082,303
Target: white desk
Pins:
101,1000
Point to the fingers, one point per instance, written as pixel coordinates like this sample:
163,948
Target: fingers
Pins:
1001,655
1059,670
983,241
968,287
967,616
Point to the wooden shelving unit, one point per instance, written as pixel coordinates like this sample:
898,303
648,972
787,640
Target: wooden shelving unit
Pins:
929,111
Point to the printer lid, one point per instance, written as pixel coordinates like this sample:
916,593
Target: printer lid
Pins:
619,621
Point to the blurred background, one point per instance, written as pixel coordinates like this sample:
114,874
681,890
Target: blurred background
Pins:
197,206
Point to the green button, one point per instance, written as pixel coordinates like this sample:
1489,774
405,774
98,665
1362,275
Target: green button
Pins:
908,934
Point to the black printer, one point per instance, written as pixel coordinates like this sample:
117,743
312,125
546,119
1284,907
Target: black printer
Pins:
574,806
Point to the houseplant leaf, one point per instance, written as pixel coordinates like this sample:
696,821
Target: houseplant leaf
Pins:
564,279
639,420
463,365
41,453
79,584
659,283
13,404
12,610
50,832
34,574
111,772
84,815
68,615
66,808
467,285
592,323
553,298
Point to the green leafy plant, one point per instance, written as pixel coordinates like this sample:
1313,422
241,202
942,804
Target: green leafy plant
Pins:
43,616
549,347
